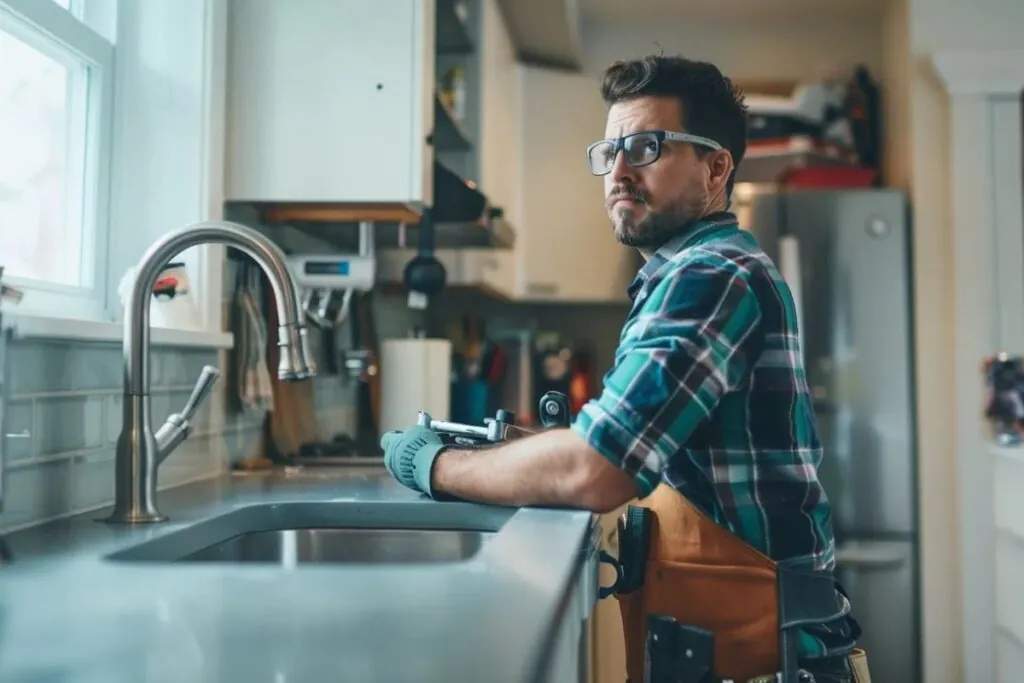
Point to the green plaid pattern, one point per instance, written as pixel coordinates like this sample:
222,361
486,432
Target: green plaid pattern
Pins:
709,395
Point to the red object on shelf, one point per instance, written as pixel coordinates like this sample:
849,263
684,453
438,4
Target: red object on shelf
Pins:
829,176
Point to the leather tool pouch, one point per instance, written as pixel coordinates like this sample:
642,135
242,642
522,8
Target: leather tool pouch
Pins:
674,653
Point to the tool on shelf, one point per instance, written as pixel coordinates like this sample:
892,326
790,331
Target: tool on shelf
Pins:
554,411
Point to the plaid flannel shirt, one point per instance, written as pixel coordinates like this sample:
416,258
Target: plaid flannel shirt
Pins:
708,394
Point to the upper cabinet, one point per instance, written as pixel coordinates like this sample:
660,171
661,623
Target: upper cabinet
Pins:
385,106
566,249
331,101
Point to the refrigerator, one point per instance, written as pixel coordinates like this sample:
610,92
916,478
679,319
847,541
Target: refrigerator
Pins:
846,256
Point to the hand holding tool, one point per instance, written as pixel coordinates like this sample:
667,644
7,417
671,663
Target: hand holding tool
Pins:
409,456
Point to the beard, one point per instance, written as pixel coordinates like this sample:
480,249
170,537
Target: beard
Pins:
654,228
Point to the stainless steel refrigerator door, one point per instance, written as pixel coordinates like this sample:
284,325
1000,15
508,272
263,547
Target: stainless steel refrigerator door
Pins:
854,265
879,578
756,209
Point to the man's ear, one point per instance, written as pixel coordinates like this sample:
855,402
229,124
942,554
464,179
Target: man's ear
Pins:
721,167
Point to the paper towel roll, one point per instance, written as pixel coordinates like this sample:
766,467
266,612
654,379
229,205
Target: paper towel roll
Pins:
415,376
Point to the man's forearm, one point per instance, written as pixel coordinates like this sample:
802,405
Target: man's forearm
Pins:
555,468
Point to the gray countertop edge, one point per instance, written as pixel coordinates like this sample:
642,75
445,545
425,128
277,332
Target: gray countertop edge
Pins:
531,567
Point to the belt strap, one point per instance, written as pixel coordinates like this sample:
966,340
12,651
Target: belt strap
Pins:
805,597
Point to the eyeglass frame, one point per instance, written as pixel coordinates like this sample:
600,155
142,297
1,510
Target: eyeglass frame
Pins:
660,136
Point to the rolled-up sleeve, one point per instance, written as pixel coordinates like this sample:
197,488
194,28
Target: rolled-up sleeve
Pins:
686,348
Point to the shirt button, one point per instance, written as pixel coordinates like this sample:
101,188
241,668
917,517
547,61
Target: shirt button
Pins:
642,295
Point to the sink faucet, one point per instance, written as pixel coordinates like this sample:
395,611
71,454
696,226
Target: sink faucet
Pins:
139,450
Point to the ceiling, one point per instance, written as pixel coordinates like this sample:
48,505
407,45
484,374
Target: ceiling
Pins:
681,10
545,31
549,32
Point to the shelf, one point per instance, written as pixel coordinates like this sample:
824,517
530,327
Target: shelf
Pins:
455,200
496,233
339,213
767,162
451,37
448,134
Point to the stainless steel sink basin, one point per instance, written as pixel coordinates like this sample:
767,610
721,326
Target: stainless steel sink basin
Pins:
292,547
305,533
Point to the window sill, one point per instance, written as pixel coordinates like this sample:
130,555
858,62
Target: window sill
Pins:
47,327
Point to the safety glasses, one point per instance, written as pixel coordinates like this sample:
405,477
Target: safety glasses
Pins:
640,149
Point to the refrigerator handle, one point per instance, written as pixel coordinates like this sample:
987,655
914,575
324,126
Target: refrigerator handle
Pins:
789,268
862,559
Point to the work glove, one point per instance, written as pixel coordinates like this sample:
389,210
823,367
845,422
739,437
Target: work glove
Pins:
409,456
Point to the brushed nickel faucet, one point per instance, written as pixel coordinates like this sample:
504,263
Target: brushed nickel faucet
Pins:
139,450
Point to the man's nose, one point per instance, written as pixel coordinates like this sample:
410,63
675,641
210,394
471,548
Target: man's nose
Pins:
620,169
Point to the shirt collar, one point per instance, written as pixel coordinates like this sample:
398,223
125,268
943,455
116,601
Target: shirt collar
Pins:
692,234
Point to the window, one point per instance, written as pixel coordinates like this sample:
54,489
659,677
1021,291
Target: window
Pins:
55,108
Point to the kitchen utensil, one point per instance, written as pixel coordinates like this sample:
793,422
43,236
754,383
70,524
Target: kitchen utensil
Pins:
424,275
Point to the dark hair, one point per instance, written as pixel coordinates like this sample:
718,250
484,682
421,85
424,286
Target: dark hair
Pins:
712,106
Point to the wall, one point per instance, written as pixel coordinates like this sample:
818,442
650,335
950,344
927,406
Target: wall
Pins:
67,397
895,85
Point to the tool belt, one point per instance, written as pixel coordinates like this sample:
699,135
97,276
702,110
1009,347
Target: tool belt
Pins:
699,605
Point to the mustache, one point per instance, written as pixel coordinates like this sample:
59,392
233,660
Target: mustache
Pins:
630,193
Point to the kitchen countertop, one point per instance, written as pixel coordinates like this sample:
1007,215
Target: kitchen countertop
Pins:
69,614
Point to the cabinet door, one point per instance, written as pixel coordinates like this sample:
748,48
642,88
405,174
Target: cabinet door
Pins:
328,100
567,249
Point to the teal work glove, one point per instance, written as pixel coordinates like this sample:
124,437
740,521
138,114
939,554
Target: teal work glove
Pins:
410,455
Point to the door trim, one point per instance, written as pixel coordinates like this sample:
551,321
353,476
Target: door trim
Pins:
988,286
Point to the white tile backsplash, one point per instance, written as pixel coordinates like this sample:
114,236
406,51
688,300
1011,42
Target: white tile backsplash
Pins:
67,397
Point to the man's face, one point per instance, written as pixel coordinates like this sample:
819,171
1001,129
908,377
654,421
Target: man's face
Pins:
648,205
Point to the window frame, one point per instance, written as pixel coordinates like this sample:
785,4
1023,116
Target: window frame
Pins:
59,33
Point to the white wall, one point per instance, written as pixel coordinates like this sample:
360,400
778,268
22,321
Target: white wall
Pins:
168,135
754,50
895,84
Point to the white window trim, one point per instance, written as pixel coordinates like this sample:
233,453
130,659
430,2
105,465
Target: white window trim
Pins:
87,45
52,319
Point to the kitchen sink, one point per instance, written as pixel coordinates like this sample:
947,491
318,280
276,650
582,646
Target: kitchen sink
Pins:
335,532
290,547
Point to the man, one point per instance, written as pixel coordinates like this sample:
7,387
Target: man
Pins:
707,399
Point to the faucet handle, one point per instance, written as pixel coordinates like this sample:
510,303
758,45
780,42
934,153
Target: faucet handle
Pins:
176,429
204,385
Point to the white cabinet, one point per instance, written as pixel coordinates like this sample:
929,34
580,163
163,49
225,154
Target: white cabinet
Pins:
330,101
566,248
